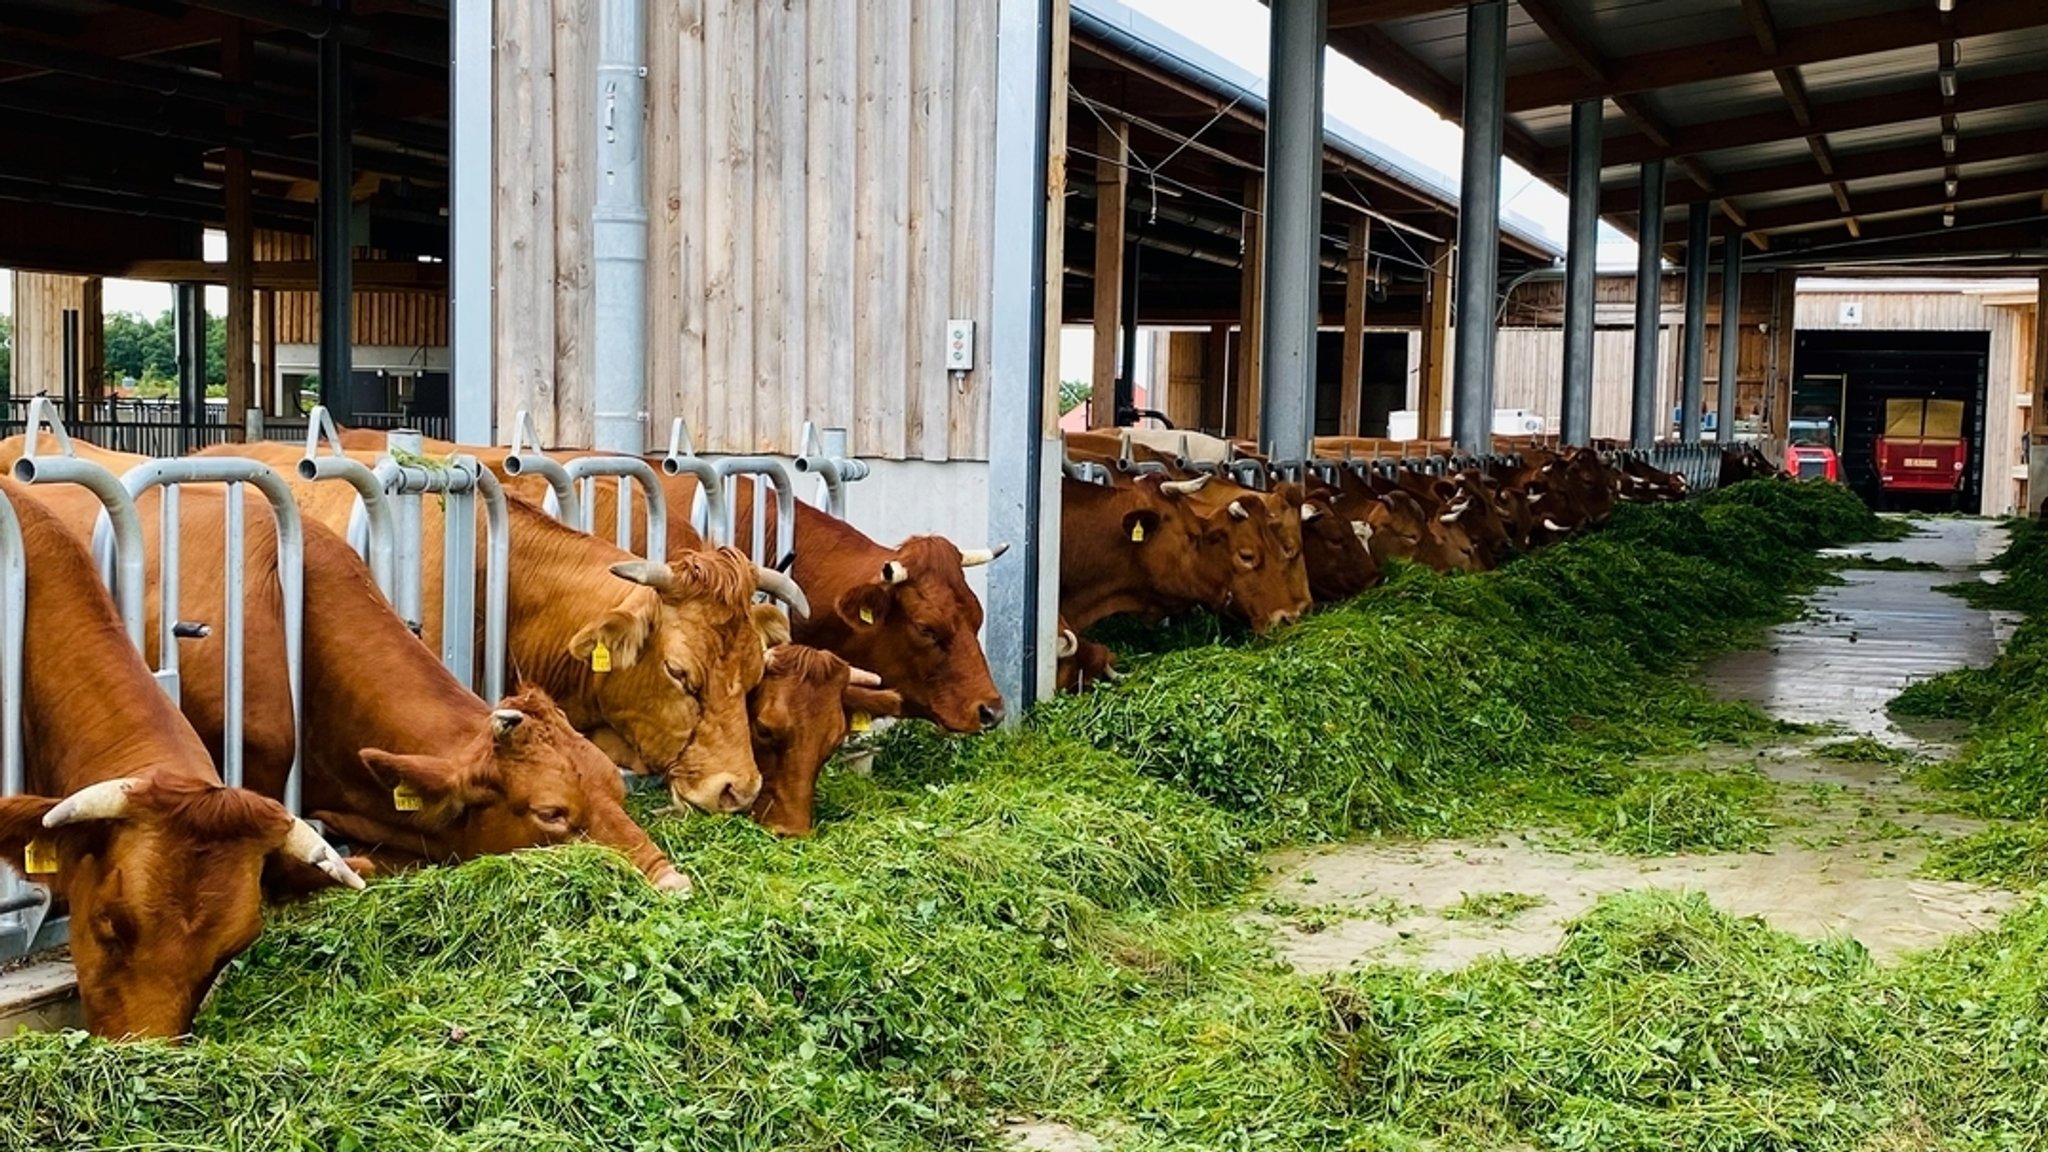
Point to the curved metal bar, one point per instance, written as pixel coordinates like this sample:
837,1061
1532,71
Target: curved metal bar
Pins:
497,583
526,459
682,459
370,490
627,468
129,579
731,467
13,631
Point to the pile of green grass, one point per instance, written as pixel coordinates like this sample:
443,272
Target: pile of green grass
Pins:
1044,921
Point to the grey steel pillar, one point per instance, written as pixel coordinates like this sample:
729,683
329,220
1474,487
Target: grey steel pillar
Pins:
188,318
1644,417
1731,339
1022,584
1486,40
334,227
472,404
619,232
1294,221
1692,385
1581,266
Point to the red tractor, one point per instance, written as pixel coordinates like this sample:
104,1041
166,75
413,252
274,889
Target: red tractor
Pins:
1810,451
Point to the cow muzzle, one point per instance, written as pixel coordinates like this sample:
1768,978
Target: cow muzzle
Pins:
721,792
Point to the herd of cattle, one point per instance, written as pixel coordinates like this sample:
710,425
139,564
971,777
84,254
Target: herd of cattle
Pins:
666,668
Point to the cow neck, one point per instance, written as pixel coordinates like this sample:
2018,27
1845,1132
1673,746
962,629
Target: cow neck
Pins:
563,583
356,650
92,710
1096,582
832,558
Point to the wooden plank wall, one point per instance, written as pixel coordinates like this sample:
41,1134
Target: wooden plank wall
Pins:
820,194
40,299
379,319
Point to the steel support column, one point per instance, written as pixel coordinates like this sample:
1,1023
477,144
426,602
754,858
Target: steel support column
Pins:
1692,387
188,317
1731,340
1019,588
1486,40
334,226
472,404
619,231
1644,418
1294,221
1581,265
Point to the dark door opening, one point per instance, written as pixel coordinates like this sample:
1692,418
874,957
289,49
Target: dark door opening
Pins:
1848,381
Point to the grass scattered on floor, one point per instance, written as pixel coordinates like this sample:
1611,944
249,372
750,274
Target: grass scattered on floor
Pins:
1881,564
1494,907
1863,750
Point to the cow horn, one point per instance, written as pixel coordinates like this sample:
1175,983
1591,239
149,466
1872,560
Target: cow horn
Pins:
782,588
504,720
1362,530
1067,645
650,573
1553,525
1109,672
1535,498
1185,487
106,800
1239,512
862,678
976,557
302,843
894,572
1309,512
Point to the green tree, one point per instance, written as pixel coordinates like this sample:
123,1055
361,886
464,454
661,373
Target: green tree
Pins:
137,348
6,355
1073,394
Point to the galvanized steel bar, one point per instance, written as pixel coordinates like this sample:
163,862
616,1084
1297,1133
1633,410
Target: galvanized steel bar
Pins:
1581,265
682,459
526,459
1486,42
13,633
619,231
1731,341
497,582
630,470
405,526
1293,226
170,531
1644,418
458,574
826,456
377,553
729,469
231,629
335,222
1692,388
129,577
470,196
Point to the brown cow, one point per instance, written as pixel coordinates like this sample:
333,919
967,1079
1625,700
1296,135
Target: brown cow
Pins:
802,710
1149,546
1081,663
1335,551
161,864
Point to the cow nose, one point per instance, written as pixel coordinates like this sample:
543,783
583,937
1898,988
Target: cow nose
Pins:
990,714
1284,617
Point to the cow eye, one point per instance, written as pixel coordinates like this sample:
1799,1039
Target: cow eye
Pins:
1248,559
680,674
931,636
553,815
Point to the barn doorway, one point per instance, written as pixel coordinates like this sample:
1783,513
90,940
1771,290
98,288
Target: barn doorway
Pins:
1857,386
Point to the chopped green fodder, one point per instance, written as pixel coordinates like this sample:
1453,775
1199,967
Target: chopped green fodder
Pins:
2006,855
1863,750
1044,922
1882,564
1494,907
1687,811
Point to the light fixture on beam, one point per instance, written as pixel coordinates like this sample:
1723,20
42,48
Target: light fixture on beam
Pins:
1945,5
1948,143
1948,217
1948,83
1948,187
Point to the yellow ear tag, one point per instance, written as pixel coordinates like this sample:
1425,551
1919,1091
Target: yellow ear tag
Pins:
600,658
1137,533
867,615
40,858
405,798
862,721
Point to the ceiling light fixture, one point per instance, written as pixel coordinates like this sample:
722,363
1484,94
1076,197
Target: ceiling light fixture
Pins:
1948,218
1945,5
1948,83
1948,143
1949,187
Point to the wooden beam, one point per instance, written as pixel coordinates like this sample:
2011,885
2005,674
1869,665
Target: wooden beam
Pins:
1216,377
1813,44
1251,312
1352,13
2040,377
294,275
1351,384
1761,25
1390,62
1112,185
1436,345
241,237
266,356
125,34
1920,102
1932,198
1919,156
1055,200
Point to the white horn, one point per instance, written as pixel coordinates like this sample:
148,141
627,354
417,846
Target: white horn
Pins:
1537,498
976,557
1109,672
1309,512
862,678
1553,525
1185,487
782,588
1239,512
302,843
1067,645
1362,530
106,800
893,572
651,573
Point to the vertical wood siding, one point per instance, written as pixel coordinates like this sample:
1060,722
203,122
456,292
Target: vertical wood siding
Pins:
820,192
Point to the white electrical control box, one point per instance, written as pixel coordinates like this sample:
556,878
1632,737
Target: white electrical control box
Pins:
959,345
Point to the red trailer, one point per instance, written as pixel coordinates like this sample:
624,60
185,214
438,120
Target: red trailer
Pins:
1923,448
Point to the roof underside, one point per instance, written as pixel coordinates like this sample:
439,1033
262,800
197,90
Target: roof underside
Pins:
1836,132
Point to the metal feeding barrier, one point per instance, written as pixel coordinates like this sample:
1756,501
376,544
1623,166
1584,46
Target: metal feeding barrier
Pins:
826,455
572,488
23,906
722,477
458,481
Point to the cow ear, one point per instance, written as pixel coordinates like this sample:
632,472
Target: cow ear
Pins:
1141,525
770,624
433,786
1445,490
21,820
622,631
873,701
865,606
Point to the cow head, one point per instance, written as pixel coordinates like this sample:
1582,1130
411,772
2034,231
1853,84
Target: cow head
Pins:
164,876
806,703
526,780
1081,664
914,622
1259,534
671,665
1335,552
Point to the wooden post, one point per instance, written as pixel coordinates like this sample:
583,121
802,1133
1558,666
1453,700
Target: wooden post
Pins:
266,357
92,342
1351,387
1216,378
1436,340
1112,147
2041,357
241,332
1251,311
1055,212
